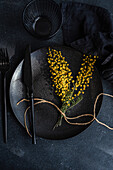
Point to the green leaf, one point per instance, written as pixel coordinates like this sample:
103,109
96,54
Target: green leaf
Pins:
65,108
78,99
74,103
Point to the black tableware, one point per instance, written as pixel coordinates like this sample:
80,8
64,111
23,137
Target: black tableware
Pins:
27,80
46,115
42,18
4,67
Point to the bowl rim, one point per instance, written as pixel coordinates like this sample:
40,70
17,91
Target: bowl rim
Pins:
33,33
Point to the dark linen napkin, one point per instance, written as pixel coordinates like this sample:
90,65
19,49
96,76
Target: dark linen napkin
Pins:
89,29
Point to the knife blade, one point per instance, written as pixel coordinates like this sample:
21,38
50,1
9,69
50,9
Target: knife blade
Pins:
27,80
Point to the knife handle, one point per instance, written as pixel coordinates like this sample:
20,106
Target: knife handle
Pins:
33,120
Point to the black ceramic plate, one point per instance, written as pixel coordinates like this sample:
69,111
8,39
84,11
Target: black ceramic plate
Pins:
46,115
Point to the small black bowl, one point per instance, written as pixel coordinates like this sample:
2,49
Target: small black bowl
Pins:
42,18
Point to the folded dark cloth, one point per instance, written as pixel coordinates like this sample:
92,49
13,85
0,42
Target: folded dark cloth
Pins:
89,29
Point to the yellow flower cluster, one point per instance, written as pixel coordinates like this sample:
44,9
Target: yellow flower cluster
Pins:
85,74
61,74
62,78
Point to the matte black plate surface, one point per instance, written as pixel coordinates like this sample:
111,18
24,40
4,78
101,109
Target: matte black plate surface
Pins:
46,115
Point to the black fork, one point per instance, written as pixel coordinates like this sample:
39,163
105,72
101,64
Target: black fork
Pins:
4,67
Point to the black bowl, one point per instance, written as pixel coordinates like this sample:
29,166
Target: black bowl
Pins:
42,18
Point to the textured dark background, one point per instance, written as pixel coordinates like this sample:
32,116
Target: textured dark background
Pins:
91,149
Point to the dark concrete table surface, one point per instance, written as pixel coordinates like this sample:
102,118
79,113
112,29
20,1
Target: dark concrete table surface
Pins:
90,150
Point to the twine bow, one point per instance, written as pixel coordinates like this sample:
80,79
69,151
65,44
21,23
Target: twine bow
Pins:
64,115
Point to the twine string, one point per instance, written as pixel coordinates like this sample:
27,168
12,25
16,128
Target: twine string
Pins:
64,115
104,94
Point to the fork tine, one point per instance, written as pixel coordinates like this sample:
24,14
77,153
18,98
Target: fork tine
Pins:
3,56
7,56
1,53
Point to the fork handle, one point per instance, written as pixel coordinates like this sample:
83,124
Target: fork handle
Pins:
5,108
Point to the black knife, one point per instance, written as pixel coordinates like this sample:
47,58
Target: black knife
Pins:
27,80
